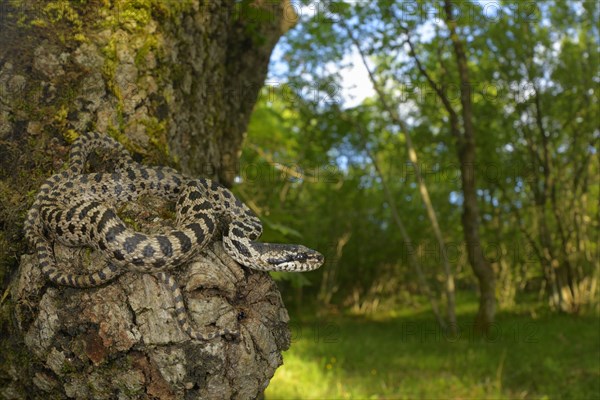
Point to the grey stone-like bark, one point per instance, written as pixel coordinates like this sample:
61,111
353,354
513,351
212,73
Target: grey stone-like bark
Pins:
122,340
175,82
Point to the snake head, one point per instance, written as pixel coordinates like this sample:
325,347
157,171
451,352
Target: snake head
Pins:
293,258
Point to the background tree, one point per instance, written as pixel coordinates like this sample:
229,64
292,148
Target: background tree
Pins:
513,54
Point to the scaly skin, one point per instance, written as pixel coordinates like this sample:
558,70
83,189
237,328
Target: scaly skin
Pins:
77,209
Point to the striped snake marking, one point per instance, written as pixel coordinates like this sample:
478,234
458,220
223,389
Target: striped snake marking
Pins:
78,209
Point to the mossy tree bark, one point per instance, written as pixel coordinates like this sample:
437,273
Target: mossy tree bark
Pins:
175,82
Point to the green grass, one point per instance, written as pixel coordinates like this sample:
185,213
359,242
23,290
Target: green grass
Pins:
405,357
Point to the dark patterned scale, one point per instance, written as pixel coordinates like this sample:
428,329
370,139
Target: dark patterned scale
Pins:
78,209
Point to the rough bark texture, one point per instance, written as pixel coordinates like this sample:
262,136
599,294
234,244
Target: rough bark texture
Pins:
470,217
175,82
122,340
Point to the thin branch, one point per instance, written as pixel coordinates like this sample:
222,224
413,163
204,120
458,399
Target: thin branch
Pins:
286,170
440,93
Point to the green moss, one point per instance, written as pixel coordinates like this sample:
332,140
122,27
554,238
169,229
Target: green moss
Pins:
62,11
110,62
171,8
66,17
67,368
150,44
157,132
134,15
130,391
116,134
128,220
60,117
109,72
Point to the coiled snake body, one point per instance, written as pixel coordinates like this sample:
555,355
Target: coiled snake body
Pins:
78,209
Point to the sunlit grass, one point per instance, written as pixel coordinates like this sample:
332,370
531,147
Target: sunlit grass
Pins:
406,357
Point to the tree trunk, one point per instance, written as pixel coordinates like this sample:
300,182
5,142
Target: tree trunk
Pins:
175,82
408,244
431,214
470,217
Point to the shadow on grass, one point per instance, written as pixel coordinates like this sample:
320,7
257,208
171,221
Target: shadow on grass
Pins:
408,356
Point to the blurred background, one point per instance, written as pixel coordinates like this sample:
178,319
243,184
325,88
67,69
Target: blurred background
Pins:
443,156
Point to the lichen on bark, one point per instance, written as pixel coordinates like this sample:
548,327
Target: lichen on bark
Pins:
175,82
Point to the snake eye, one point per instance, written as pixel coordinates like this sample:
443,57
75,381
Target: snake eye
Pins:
301,257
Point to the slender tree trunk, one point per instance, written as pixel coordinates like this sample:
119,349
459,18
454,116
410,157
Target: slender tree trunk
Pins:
329,283
466,150
412,259
175,82
448,274
431,214
569,288
470,221
470,218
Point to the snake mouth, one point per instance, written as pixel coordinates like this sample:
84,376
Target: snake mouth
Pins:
300,259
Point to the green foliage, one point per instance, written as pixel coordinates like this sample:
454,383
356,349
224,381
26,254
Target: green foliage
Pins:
533,71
